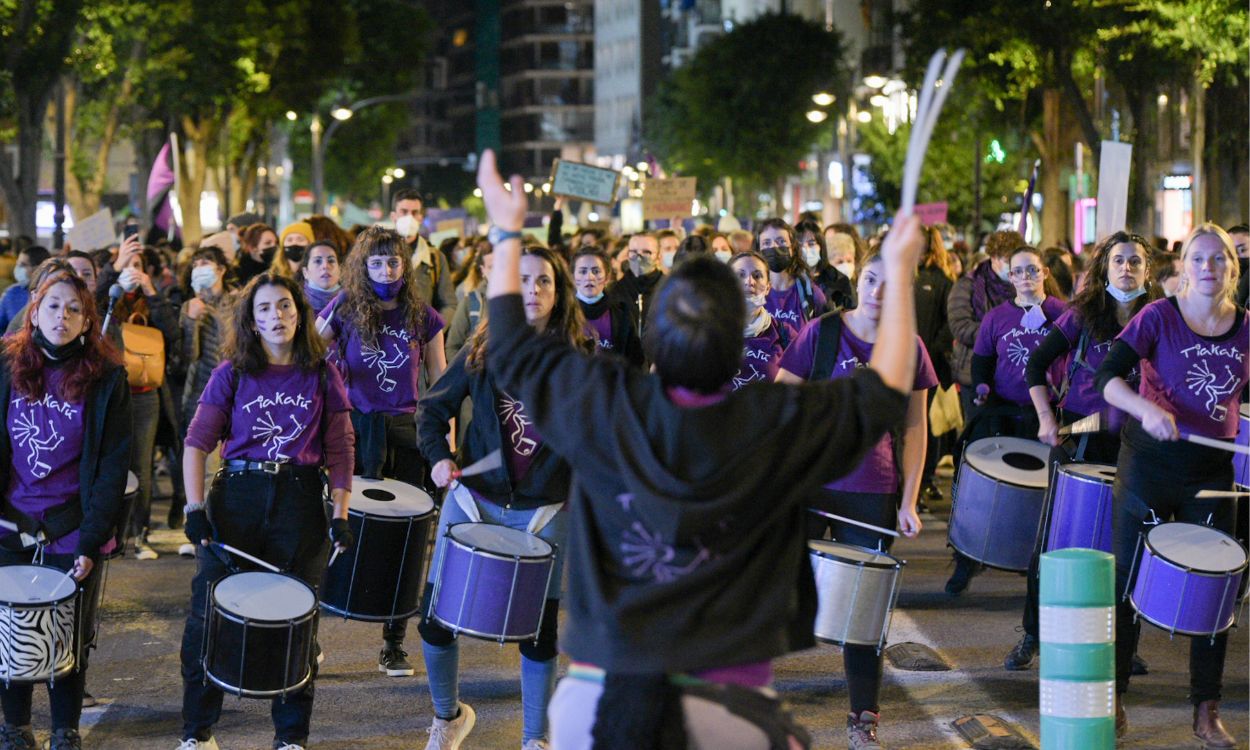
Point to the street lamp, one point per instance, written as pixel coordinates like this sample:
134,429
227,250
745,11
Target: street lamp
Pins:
341,114
823,99
816,115
321,139
875,81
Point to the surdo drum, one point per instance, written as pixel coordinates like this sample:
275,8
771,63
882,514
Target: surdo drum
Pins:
381,576
1081,507
491,582
38,623
999,496
856,589
260,634
1187,578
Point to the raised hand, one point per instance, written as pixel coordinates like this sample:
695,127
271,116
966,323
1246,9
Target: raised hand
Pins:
506,208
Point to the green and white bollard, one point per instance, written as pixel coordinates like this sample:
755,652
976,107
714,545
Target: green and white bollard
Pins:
1077,634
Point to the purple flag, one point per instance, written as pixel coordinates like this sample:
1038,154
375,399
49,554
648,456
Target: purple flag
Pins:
160,182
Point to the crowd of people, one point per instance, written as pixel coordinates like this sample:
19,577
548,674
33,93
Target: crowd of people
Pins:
265,367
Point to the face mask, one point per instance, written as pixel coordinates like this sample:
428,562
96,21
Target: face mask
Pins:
847,269
1004,273
294,253
407,226
459,255
723,255
641,266
267,254
811,255
387,290
203,278
667,259
1123,296
589,300
58,353
756,301
129,279
21,274
778,260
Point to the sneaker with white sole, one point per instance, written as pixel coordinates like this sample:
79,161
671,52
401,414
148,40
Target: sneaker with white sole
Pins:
861,731
144,551
394,662
287,746
447,734
535,744
186,549
194,744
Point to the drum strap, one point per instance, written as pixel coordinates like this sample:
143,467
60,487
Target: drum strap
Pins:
60,520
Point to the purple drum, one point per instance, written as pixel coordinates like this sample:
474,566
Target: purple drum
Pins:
1080,508
491,582
1187,578
999,496
1241,462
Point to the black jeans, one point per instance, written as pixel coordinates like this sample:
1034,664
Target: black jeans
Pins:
863,663
65,694
280,519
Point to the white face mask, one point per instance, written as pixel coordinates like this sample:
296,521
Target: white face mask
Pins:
667,258
812,256
589,300
204,277
723,255
129,279
847,269
407,226
21,274
756,301
1123,296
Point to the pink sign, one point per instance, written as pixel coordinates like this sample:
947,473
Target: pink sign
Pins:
931,213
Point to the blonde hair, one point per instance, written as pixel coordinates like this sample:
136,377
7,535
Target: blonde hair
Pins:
1230,255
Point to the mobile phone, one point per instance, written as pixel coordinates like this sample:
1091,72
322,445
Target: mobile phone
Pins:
129,231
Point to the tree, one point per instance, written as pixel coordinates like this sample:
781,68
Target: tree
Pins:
36,36
738,108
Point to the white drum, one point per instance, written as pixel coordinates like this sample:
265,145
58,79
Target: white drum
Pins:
856,588
37,623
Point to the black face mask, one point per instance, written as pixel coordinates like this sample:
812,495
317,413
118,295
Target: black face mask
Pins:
294,253
778,259
267,254
62,353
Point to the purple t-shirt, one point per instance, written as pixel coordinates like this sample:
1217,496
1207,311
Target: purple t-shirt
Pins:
521,440
787,306
1196,379
761,355
383,378
272,416
1004,336
1083,396
876,472
46,438
601,328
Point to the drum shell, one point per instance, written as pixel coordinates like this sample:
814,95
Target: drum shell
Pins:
854,599
490,595
45,649
254,658
1241,461
1184,601
381,577
993,521
1080,514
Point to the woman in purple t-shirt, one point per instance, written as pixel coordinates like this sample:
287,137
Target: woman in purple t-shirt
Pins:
608,320
794,298
1115,290
321,272
1194,354
280,414
764,338
66,408
884,488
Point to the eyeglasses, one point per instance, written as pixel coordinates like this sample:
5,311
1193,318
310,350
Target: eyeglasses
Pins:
1031,272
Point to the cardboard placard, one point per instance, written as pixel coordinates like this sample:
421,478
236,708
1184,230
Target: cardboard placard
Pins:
582,181
1113,172
931,213
668,198
94,232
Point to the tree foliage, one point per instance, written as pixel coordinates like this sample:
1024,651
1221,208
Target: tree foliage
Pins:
738,108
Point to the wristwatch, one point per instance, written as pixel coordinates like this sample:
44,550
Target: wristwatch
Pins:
497,235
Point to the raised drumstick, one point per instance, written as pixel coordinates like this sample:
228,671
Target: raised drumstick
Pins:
844,519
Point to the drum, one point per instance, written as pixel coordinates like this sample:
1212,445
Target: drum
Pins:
1241,462
118,541
491,582
856,590
37,623
1187,577
261,632
1080,507
381,576
999,495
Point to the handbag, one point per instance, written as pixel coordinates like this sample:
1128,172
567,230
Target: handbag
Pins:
144,353
945,414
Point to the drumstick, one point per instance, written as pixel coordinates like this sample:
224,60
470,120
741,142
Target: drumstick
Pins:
844,519
932,95
27,539
1222,493
1200,440
245,556
1092,423
334,556
489,462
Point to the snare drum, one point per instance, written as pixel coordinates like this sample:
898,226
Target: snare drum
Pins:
999,496
491,582
1080,508
381,576
37,623
1187,578
260,634
118,541
856,589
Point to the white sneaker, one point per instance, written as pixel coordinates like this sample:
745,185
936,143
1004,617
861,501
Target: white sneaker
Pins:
194,744
447,735
186,549
538,744
288,746
144,551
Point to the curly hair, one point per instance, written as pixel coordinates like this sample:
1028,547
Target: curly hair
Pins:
26,359
244,347
361,307
1094,306
565,324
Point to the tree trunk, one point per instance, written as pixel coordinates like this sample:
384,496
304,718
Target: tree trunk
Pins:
1198,147
21,190
192,170
1054,208
1145,126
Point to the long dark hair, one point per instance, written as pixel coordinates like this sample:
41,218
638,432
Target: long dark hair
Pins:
244,347
797,267
361,306
807,226
1093,304
566,323
26,359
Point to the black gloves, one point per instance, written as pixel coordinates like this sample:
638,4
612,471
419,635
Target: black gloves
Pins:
197,527
341,533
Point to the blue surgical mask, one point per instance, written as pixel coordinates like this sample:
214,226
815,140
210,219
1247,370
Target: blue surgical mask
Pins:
1123,296
387,290
590,300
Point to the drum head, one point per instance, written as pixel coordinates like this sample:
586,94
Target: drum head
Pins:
390,498
852,554
1009,459
132,483
500,540
1199,548
34,584
271,597
1104,473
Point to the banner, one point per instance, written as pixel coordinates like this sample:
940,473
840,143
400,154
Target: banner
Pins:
931,213
584,182
1113,173
94,232
666,199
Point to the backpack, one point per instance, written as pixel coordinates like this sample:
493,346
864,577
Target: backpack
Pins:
144,353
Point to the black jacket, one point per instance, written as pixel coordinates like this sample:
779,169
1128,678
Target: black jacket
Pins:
547,480
838,289
105,456
625,340
630,287
932,291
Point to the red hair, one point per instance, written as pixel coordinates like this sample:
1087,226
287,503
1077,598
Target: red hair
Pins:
26,359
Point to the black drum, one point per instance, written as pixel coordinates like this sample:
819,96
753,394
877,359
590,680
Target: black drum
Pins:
261,632
380,578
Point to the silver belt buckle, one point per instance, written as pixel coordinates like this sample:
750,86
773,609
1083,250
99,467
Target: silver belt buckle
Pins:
270,467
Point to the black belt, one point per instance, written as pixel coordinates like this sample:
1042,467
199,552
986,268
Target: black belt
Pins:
273,468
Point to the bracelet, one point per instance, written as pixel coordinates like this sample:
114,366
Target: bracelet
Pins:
190,508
